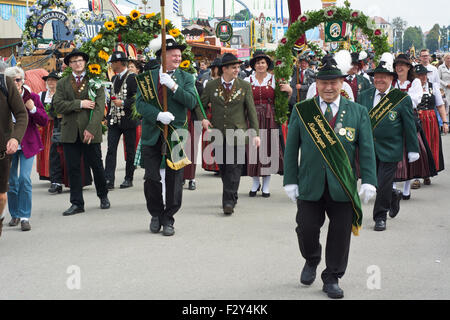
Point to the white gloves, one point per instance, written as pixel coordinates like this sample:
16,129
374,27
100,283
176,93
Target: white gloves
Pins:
166,80
367,192
165,117
292,191
413,156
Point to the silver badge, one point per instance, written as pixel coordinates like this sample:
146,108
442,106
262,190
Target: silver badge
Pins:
342,132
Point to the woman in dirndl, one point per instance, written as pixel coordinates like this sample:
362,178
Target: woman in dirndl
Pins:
263,86
424,167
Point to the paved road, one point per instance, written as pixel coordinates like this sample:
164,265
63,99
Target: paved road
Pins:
110,254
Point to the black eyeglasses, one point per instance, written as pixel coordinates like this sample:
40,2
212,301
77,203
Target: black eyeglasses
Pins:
18,80
76,61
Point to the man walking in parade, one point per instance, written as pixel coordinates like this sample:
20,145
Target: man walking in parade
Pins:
391,115
120,120
327,129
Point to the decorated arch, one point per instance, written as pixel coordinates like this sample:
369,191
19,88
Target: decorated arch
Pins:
309,20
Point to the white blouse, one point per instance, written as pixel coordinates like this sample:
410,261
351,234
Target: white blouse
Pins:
415,91
265,82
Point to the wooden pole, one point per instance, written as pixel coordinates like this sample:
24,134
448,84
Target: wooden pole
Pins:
164,69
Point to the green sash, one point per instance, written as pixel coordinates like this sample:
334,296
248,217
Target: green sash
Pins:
177,158
385,106
333,153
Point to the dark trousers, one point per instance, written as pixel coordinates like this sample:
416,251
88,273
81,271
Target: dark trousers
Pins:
310,218
93,155
385,174
230,172
151,157
56,170
114,134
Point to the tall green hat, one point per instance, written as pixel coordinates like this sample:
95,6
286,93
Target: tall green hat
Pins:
329,69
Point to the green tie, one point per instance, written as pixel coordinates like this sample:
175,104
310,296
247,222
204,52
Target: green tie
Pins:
328,113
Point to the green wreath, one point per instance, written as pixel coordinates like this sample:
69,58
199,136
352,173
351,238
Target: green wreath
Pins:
309,20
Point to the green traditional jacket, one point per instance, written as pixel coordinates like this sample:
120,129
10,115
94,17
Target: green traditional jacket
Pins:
313,171
234,111
396,129
67,102
363,84
178,103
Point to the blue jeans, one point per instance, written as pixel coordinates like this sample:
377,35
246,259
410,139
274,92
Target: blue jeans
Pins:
19,194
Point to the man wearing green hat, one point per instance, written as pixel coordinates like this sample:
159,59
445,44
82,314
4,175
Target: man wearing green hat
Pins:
328,129
391,115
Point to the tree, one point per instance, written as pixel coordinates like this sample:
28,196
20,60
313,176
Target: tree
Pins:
413,36
398,25
243,15
432,41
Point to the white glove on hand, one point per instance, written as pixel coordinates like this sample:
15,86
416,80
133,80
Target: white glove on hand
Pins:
413,156
166,80
165,117
367,192
292,191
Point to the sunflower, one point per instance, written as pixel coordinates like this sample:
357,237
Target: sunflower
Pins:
97,37
95,68
185,64
174,32
135,15
167,22
103,55
122,21
148,16
109,25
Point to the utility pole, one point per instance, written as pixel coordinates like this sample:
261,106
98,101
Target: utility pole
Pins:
223,9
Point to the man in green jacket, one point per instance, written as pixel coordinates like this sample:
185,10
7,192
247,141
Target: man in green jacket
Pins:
81,130
393,126
328,129
357,82
232,107
180,97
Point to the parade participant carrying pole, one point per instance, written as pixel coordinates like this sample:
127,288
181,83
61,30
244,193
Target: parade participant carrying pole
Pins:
164,69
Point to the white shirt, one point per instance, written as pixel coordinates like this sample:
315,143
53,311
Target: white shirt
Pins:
122,73
436,93
254,82
434,75
377,98
48,96
223,82
81,75
312,91
334,105
444,76
415,91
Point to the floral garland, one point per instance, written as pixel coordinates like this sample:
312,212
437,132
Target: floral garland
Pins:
309,20
41,7
314,47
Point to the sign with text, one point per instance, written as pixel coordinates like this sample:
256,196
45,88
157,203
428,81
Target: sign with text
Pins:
224,31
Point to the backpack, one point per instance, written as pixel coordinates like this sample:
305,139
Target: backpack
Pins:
3,86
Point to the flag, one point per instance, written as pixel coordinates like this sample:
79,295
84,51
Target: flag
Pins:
335,31
295,10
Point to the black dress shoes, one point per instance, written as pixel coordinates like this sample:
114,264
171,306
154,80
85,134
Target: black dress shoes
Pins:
380,225
109,185
55,188
168,230
406,197
333,291
74,209
308,274
192,185
104,203
395,203
265,195
252,194
155,225
126,184
228,209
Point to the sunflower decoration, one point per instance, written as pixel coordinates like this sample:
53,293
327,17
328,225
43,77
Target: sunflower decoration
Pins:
167,22
109,25
150,15
95,68
97,37
103,55
134,15
122,20
174,33
185,64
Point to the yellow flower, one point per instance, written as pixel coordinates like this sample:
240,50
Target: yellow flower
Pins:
135,14
185,64
167,22
122,21
174,32
97,37
95,68
148,16
109,25
103,55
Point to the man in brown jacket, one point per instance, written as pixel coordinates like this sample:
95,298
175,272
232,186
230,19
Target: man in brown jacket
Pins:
11,103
